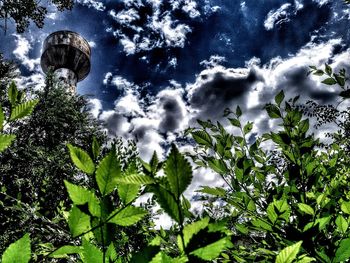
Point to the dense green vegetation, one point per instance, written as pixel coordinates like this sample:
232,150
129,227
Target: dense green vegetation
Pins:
68,193
290,203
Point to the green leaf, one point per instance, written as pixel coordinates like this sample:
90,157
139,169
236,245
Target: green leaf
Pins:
306,209
248,127
161,257
178,172
22,110
80,196
218,191
136,179
2,118
91,253
62,252
329,81
154,162
328,69
12,93
279,98
18,252
212,251
192,229
128,192
238,112
306,259
288,254
81,159
202,137
343,252
107,173
340,80
95,148
273,111
167,201
304,126
319,72
127,216
341,223
218,165
235,122
345,207
78,222
6,140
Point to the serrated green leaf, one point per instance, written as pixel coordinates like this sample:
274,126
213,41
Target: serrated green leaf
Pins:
202,137
329,81
273,111
107,173
218,165
178,172
81,159
341,223
80,196
111,254
154,162
62,252
279,98
18,252
288,254
12,93
218,191
167,201
6,140
91,253
136,179
212,251
235,122
306,209
22,110
192,229
343,252
128,192
161,257
345,207
127,216
95,148
78,222
304,126
306,260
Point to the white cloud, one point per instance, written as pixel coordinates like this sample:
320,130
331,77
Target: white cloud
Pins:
98,5
21,52
281,15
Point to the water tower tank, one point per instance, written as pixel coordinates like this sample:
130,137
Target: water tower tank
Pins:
68,54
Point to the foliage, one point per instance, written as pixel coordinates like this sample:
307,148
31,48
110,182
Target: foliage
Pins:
33,169
297,192
25,11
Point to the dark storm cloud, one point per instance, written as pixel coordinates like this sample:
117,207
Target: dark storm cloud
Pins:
216,88
172,116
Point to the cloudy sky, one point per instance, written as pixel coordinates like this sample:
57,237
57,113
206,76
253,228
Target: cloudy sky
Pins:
158,65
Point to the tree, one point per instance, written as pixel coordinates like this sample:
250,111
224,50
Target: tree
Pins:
33,169
25,11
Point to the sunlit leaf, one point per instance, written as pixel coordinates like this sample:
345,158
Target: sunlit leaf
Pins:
288,254
127,216
81,159
18,252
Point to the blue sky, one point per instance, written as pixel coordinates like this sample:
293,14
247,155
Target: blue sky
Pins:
158,65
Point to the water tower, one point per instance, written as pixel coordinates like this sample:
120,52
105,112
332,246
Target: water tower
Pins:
68,55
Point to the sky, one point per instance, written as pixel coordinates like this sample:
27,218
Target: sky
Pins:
158,65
